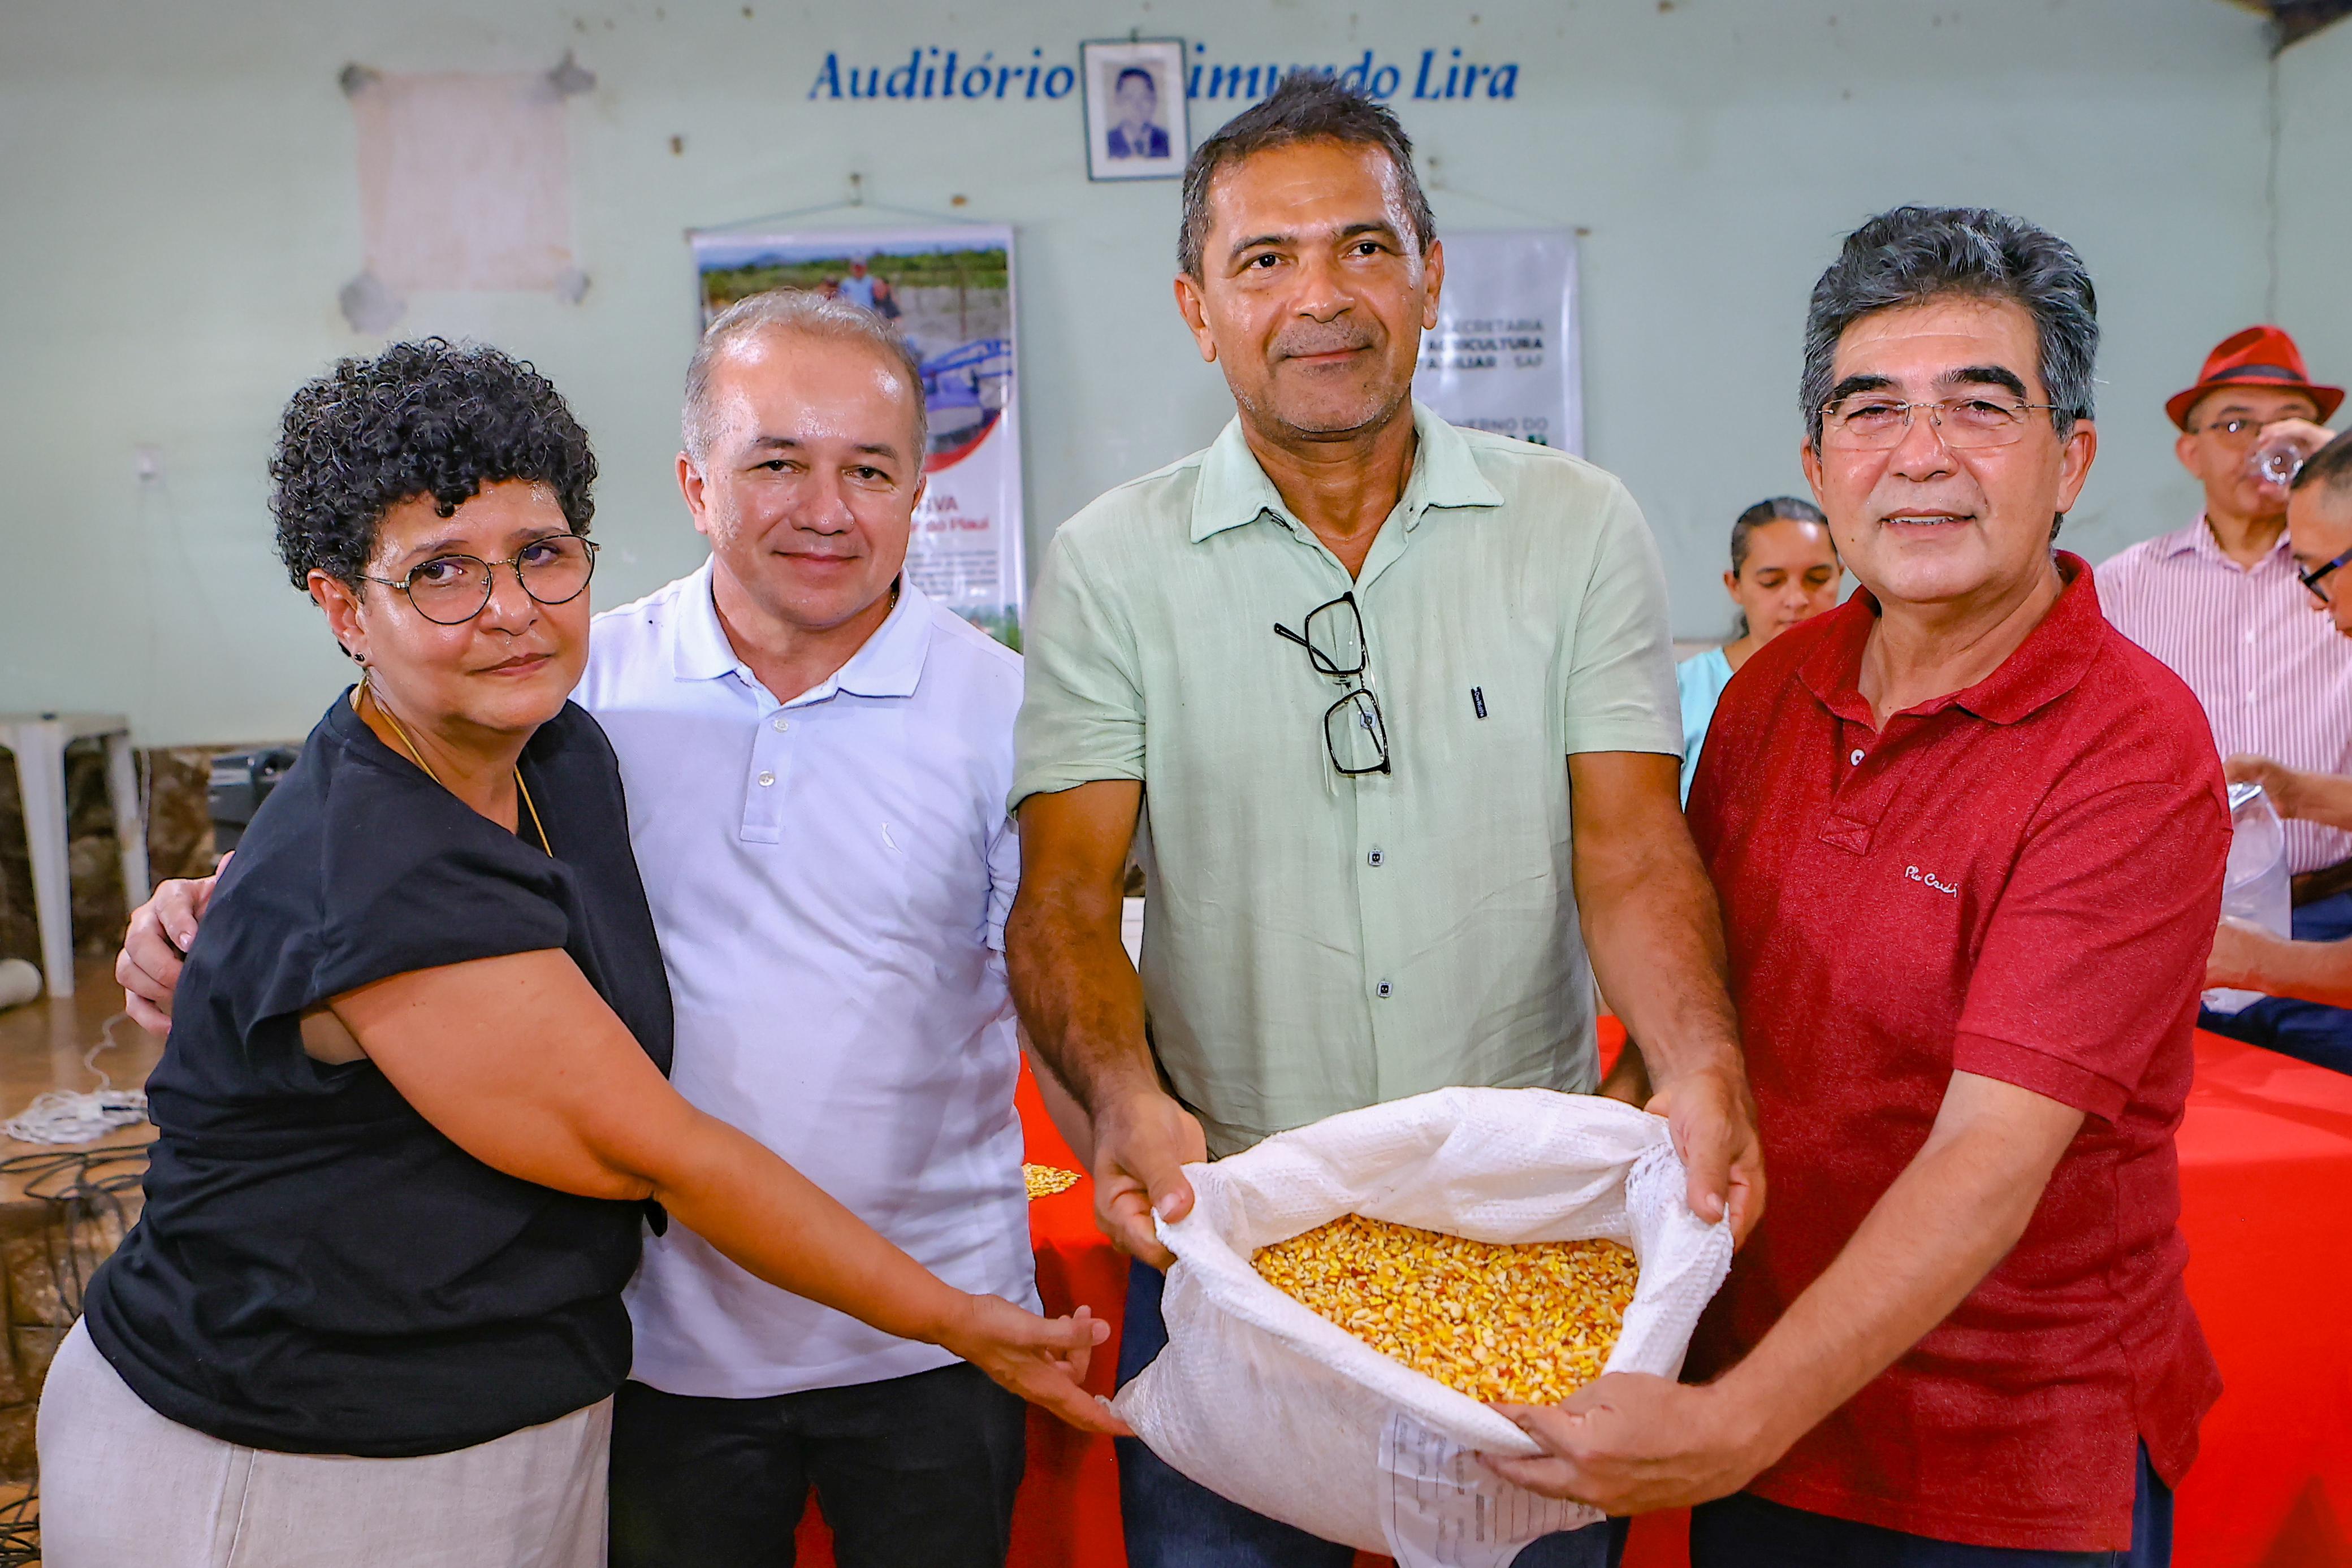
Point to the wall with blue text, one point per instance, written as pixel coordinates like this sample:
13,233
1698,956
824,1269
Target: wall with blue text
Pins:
181,210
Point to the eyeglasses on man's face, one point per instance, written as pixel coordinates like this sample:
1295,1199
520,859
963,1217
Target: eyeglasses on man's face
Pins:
2236,432
2315,581
1353,732
2240,428
1872,421
451,590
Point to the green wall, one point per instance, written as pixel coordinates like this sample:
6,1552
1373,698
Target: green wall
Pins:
2314,253
178,209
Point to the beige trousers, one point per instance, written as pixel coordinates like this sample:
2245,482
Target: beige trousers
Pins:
122,1486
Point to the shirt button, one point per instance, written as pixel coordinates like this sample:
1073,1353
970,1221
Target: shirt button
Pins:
782,724
766,779
1854,756
1374,857
1383,989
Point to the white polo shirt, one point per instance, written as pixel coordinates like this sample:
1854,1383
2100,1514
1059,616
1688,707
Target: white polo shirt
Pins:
829,878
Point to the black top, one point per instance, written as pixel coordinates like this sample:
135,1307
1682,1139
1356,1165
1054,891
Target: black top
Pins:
317,1270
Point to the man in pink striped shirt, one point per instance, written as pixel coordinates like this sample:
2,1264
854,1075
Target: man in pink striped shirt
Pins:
2220,603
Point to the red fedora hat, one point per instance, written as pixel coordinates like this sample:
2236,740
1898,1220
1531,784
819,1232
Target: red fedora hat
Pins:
2257,357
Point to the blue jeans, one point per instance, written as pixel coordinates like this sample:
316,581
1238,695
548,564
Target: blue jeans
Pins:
1174,1523
2305,1031
1745,1531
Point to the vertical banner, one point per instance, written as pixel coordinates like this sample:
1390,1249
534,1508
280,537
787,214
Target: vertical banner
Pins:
949,289
1503,356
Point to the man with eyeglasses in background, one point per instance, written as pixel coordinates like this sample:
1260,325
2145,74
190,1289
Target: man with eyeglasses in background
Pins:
2306,980
1395,701
1970,843
2218,601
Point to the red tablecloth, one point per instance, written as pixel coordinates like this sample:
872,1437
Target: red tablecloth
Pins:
2266,1189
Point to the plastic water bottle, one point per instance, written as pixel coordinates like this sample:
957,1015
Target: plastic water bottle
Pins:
2254,889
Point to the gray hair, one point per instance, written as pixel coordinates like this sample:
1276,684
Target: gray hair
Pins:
811,315
1307,106
1913,254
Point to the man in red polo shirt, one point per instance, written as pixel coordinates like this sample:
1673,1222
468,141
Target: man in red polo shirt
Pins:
1970,843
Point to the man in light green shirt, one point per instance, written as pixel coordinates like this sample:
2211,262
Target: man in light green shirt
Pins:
1316,942
1396,704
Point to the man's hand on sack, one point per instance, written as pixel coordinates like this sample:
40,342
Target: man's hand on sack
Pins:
1711,1118
161,931
1143,1140
1632,1443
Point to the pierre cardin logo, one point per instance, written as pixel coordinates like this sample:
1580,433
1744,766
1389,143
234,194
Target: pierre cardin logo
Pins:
1913,874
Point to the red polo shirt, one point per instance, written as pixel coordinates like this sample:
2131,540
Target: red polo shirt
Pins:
2019,881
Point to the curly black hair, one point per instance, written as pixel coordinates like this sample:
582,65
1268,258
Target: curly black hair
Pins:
431,418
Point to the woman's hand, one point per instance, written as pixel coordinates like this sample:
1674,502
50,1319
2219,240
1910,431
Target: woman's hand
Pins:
1043,1359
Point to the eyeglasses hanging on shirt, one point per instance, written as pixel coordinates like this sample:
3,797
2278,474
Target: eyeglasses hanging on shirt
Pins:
1353,733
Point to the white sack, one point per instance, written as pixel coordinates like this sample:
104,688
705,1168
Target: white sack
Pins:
1261,1400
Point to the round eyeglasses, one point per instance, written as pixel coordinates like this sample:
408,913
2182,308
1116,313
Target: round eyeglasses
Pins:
451,590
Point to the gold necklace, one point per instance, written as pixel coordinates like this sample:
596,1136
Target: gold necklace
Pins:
418,758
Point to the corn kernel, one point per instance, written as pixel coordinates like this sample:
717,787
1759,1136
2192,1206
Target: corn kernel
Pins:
1045,1181
1525,1325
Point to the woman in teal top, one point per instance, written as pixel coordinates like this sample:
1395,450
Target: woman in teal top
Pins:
1784,570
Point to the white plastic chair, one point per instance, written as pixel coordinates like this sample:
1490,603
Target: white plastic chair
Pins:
38,741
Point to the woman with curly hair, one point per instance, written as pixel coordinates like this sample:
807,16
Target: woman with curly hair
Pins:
413,1111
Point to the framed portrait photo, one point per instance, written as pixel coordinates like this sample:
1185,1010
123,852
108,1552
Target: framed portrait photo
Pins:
1135,108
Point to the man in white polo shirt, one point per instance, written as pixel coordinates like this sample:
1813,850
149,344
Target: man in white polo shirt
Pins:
816,758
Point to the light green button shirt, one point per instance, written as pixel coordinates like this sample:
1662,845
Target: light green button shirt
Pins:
1314,943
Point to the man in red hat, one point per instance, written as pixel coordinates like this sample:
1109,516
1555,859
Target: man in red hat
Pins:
2220,603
